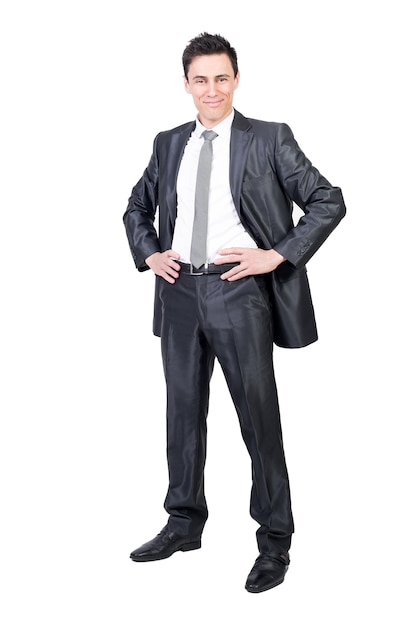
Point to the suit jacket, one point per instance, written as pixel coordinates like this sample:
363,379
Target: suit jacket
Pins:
268,173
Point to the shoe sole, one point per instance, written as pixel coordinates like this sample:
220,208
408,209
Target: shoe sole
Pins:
264,588
194,545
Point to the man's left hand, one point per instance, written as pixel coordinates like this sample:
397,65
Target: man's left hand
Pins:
251,261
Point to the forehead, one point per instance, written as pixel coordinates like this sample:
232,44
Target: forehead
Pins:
211,65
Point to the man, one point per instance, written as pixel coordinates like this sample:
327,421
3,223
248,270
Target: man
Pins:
248,290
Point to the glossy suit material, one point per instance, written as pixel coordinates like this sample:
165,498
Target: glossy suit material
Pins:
200,318
203,318
268,172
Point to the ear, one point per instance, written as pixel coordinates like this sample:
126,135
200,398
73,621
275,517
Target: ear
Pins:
186,84
236,80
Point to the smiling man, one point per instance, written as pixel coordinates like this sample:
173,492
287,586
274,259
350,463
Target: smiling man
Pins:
230,283
212,80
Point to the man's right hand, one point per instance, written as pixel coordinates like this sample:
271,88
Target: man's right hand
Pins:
163,264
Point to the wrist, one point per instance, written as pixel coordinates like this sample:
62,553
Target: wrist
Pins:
277,257
149,258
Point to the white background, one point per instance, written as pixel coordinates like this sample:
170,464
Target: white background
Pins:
86,85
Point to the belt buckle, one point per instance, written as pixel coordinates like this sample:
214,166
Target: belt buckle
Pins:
192,273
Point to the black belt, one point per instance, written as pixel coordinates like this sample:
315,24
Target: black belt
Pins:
211,268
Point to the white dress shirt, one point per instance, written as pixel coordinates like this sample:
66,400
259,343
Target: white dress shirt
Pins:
225,229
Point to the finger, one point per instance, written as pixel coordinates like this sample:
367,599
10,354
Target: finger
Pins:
228,258
234,274
172,254
169,279
225,259
169,274
172,271
173,265
171,257
229,251
229,255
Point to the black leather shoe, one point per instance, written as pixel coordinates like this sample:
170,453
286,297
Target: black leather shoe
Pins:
268,572
164,545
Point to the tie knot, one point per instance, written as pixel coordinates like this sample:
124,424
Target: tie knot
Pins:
209,135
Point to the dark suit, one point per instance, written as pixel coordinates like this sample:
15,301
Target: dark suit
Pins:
268,172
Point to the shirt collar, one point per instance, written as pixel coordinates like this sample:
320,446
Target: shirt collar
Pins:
222,129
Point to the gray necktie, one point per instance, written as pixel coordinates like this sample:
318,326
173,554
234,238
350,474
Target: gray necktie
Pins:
200,224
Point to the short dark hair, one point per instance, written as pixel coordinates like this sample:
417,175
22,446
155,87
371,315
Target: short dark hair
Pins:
208,44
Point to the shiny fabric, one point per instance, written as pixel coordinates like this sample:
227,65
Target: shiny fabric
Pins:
268,174
204,318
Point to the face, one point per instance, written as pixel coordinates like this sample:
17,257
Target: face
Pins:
211,82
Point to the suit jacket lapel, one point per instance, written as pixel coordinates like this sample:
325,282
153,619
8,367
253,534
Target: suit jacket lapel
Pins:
240,144
177,144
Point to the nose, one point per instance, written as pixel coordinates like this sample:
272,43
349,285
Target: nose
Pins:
211,85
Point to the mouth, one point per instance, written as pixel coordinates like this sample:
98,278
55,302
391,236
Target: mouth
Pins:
213,103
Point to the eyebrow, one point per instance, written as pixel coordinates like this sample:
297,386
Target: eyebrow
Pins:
217,76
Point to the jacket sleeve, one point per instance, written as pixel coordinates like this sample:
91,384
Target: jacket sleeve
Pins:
140,214
322,204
